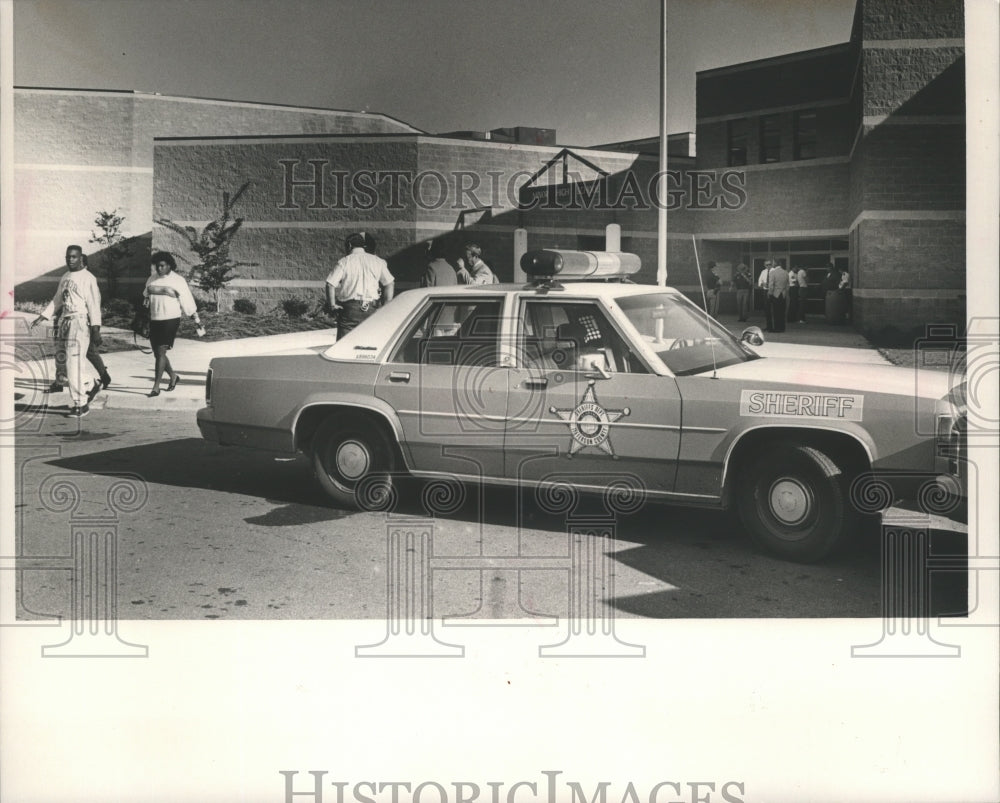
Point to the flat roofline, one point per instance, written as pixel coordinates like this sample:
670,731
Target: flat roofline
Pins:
406,135
785,57
142,93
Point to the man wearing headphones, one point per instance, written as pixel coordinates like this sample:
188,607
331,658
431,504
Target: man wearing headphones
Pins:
352,288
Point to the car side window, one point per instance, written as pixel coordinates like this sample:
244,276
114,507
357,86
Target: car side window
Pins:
452,332
572,336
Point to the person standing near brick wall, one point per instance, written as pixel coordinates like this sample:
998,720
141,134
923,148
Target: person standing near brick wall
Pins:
777,296
352,288
803,283
793,294
762,285
743,284
472,269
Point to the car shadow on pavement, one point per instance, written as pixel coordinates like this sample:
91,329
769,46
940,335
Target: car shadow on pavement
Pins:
196,464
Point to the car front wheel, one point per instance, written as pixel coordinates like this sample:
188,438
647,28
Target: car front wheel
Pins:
353,462
791,500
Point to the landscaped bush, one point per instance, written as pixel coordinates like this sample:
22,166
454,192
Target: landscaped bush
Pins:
295,307
119,308
244,306
205,306
34,307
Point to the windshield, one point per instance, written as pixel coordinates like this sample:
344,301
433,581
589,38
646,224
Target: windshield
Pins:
681,334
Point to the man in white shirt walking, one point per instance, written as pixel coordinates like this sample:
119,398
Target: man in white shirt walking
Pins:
77,302
352,288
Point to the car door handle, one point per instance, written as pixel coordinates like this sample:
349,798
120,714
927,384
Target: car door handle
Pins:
536,383
399,376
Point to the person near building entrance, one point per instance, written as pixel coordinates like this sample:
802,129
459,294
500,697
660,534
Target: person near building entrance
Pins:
845,287
472,269
803,282
353,286
777,296
77,303
743,284
793,294
762,286
713,286
439,272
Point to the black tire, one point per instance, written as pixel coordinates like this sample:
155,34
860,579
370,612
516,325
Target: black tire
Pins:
793,502
354,461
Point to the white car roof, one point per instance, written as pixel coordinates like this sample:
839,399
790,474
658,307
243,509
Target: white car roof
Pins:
367,342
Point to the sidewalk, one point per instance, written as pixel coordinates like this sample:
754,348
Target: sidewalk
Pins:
132,371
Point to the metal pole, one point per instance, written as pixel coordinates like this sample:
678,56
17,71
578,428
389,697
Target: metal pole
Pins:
661,232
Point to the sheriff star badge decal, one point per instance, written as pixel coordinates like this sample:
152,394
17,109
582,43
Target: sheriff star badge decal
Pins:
589,423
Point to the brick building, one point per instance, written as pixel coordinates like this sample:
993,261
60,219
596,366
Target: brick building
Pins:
854,153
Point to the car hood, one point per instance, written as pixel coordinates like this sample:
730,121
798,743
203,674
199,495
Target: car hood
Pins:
864,377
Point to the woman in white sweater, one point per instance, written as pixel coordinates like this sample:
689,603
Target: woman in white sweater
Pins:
168,297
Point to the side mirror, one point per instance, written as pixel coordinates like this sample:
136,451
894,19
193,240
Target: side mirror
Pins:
752,336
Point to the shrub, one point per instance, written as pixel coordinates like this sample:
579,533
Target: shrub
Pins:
205,306
244,306
295,307
119,308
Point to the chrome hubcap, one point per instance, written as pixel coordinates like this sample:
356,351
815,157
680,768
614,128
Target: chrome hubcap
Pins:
352,460
790,501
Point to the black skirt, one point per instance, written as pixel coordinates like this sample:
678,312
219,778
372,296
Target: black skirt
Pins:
162,333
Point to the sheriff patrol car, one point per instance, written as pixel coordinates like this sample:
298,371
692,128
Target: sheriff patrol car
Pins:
583,378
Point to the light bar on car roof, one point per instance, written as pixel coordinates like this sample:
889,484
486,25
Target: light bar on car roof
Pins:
551,263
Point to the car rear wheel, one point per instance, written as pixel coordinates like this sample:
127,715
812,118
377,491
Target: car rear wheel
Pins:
791,500
353,461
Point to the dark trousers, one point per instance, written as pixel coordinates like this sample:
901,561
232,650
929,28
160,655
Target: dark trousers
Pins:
793,303
95,359
743,304
767,311
776,304
350,314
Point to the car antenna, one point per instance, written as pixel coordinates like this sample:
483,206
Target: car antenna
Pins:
704,301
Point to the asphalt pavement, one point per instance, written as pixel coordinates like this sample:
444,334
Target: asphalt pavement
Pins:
132,371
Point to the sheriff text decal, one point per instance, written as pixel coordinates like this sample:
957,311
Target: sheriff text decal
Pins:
785,404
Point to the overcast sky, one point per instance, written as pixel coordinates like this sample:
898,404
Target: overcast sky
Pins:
584,67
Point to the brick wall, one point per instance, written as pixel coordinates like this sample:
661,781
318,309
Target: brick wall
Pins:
77,152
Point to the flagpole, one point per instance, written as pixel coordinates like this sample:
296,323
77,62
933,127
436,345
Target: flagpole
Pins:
661,230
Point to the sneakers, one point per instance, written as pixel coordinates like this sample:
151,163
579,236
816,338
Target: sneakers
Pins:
94,390
105,381
78,412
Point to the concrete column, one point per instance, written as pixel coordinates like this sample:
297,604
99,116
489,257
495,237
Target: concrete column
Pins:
613,237
520,249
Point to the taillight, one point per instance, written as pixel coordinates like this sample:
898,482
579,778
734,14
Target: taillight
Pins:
208,387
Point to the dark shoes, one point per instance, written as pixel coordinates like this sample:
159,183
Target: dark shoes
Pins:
105,381
78,412
55,387
153,392
92,393
173,382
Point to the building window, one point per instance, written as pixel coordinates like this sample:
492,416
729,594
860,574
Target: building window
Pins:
770,139
737,142
805,135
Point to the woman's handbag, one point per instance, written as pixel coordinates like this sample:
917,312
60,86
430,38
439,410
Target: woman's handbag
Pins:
140,324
